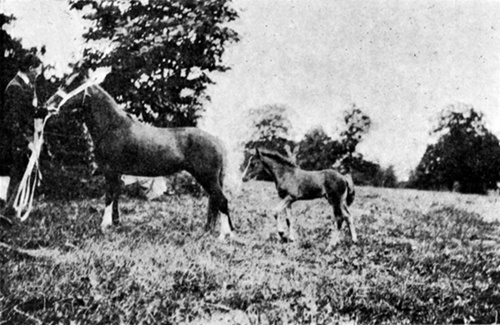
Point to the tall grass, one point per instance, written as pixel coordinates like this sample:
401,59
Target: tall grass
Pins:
420,259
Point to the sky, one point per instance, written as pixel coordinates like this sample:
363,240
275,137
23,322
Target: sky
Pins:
400,61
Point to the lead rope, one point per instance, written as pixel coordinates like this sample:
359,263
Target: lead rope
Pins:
26,192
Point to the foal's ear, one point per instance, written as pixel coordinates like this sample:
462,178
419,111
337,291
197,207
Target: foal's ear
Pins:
257,152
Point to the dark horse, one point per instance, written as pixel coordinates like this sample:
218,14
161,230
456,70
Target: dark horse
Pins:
295,184
124,146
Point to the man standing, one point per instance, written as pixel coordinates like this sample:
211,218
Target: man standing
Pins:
18,127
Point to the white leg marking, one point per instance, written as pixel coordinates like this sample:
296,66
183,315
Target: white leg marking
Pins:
107,219
284,204
225,229
335,237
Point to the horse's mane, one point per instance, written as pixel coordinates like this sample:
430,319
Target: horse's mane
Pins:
274,155
106,96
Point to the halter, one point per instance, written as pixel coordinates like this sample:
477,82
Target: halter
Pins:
67,96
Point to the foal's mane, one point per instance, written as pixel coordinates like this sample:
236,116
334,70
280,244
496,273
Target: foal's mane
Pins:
279,158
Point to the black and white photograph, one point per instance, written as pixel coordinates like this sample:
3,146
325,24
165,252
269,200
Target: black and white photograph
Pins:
249,162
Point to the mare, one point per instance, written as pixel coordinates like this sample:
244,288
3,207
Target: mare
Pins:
295,184
124,146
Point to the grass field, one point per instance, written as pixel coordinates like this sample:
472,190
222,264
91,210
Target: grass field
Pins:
423,257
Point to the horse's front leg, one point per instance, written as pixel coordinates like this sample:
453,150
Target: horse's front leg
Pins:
111,214
290,224
284,204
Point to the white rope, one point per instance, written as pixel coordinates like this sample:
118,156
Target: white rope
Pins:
26,192
67,96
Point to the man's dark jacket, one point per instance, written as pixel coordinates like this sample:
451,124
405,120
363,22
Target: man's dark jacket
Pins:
17,123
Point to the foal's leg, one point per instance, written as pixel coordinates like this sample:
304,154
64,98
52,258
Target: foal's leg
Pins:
350,221
336,203
284,204
289,221
111,214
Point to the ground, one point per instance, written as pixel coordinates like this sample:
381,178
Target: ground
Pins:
422,257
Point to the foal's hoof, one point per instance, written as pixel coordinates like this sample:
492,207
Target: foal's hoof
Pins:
224,236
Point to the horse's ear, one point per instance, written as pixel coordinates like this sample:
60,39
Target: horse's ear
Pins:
257,152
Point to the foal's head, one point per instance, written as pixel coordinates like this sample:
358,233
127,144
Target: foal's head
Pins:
254,167
263,164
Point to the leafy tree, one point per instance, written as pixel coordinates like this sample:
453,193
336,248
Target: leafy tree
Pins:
318,151
161,53
269,128
466,154
389,178
357,126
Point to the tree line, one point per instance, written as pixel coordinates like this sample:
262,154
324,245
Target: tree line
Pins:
162,54
270,128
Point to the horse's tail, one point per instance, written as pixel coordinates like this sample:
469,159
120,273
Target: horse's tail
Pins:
222,170
350,189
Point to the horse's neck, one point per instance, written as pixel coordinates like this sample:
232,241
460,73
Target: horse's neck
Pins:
279,171
103,114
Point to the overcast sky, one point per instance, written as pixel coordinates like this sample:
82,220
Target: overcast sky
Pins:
400,61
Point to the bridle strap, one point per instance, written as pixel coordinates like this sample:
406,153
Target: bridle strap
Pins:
248,166
67,96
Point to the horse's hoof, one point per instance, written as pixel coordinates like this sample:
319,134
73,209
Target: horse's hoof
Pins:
106,228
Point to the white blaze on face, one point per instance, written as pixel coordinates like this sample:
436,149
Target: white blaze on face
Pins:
4,186
107,219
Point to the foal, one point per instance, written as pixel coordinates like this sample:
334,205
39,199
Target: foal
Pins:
295,184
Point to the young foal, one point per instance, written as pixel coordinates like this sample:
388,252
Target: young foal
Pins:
295,184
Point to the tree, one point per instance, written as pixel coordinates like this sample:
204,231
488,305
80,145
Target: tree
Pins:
466,155
270,128
318,151
161,55
358,124
389,178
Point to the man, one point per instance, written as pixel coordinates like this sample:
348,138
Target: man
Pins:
17,123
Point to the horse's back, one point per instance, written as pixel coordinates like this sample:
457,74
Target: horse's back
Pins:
339,184
202,150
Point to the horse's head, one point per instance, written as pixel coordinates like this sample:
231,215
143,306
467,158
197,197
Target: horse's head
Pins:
70,94
254,167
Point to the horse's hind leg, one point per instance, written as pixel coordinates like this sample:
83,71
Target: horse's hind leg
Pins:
226,224
111,214
213,211
217,202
